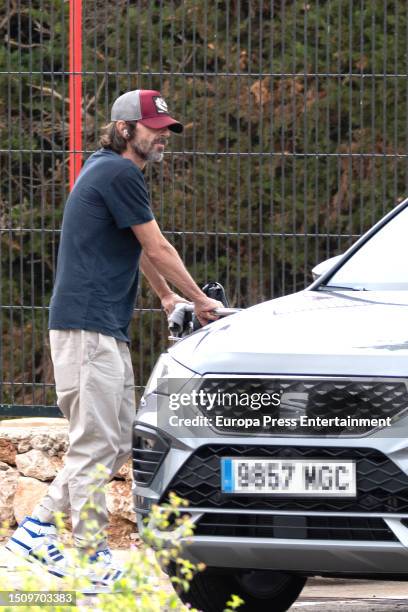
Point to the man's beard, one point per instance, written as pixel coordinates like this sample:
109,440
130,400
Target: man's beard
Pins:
147,154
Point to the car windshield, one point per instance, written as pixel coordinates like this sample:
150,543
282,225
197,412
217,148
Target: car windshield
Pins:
381,264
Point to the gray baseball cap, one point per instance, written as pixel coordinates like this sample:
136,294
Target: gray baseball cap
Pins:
146,106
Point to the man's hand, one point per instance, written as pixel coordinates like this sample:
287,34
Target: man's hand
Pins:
169,301
165,264
203,309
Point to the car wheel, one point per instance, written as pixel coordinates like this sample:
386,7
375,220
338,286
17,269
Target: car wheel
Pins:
261,590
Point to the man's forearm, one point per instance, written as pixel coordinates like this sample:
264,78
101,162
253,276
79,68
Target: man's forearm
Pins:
166,262
155,279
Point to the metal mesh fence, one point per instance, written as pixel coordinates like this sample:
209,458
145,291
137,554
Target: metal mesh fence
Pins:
295,142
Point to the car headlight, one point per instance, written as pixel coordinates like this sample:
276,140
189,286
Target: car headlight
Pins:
167,368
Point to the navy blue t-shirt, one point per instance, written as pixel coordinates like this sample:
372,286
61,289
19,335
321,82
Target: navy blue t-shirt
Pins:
98,259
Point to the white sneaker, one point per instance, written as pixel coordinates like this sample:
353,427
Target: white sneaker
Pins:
104,571
36,541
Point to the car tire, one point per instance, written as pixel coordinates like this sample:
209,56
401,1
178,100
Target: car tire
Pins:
261,590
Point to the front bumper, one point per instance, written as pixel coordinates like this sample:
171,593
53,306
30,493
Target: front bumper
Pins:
383,496
312,558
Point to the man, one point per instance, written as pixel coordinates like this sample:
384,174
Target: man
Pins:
107,222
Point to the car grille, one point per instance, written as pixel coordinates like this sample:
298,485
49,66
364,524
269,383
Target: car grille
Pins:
294,527
381,485
358,398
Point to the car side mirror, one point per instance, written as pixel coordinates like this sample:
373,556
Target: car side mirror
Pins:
324,266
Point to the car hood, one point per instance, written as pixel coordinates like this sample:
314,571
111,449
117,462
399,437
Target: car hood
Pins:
310,333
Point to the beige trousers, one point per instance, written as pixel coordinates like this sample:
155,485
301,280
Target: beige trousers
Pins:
95,390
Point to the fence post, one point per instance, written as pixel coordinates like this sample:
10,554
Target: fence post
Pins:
75,89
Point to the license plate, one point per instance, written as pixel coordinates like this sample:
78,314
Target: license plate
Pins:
289,477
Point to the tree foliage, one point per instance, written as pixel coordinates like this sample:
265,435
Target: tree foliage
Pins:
295,142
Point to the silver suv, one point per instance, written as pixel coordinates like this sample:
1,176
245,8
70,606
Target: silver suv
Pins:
285,426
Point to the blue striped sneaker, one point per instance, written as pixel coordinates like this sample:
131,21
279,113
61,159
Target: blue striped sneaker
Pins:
37,541
104,572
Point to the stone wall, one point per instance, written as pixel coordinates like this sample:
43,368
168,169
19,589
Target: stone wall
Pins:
31,454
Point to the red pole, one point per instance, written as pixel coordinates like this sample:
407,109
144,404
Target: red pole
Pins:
75,89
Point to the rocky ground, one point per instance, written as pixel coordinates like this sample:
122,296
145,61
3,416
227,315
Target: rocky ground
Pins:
121,535
31,454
